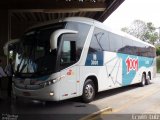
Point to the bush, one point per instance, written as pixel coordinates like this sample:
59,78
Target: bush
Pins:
158,51
158,64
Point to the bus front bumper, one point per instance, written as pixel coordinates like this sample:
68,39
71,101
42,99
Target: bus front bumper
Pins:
46,93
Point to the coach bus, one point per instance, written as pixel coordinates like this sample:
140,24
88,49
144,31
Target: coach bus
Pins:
79,56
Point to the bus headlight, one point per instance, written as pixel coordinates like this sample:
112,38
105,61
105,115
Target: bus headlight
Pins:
47,83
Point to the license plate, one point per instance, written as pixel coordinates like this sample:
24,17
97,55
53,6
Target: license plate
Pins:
26,94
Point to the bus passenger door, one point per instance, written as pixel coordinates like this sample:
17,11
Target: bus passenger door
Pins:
69,71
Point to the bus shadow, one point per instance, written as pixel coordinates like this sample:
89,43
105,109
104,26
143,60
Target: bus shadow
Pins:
37,110
115,91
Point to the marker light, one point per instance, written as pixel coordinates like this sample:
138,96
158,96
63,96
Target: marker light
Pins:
54,81
51,93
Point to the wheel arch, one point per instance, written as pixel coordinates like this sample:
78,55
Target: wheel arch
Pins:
95,81
150,76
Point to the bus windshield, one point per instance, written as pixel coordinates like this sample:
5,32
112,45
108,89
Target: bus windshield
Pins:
34,56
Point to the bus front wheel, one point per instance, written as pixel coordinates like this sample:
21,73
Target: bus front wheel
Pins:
88,91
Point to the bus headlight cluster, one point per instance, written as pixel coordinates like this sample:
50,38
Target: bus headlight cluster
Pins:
47,83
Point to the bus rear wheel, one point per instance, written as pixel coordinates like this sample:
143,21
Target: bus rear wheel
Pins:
148,79
88,91
143,80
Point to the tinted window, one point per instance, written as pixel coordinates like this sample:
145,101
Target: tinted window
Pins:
144,50
100,41
136,48
127,46
115,42
83,30
140,49
152,52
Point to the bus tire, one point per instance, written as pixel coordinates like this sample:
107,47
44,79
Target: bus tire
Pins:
148,80
143,80
88,91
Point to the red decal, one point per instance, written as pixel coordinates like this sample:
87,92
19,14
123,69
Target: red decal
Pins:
69,72
132,64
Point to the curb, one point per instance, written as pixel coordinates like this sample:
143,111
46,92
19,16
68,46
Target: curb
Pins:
96,114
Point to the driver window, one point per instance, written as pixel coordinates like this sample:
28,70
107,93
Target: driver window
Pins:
68,53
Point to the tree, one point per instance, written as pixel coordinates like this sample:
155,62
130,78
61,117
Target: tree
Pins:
143,31
151,35
137,28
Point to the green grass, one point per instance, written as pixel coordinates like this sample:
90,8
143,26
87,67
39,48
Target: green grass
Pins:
158,64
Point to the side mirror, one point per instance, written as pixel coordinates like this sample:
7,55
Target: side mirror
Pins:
56,34
6,46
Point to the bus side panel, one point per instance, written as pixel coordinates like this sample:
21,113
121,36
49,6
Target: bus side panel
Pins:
133,68
115,69
99,72
108,71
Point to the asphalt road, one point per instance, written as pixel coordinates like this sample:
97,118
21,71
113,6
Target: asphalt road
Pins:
132,102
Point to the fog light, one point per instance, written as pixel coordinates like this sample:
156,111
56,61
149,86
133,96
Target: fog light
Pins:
51,93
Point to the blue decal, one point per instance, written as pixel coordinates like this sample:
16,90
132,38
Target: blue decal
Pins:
94,59
131,64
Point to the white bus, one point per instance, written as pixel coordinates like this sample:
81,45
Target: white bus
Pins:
79,56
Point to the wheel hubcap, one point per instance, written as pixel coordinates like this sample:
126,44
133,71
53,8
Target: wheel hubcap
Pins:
89,91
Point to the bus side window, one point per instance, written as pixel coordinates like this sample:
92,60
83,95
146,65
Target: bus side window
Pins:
115,42
100,41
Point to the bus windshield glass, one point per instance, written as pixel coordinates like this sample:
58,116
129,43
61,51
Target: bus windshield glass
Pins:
34,56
